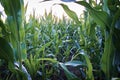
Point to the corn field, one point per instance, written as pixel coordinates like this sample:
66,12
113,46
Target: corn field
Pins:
49,48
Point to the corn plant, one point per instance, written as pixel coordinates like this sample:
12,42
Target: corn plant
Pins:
51,40
107,19
49,37
112,37
13,33
52,48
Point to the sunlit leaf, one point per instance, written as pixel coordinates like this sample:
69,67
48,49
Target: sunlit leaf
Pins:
75,63
3,28
24,71
48,59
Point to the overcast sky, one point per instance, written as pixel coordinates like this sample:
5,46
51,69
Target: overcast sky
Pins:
57,10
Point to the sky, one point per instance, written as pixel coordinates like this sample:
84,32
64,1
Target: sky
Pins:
40,7
57,10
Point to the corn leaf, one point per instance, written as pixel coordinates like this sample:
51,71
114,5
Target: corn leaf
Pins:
6,51
44,46
75,63
89,66
106,61
96,15
48,59
69,75
14,10
70,13
23,74
107,57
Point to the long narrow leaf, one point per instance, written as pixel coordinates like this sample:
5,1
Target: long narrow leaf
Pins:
69,75
89,72
6,51
75,63
106,61
90,69
48,59
70,13
96,15
14,10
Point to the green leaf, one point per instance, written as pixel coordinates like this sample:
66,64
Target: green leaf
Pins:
48,59
21,75
116,17
14,10
6,51
85,4
70,13
69,75
102,21
44,46
88,64
4,32
92,31
100,17
110,45
105,6
24,73
107,57
32,65
75,63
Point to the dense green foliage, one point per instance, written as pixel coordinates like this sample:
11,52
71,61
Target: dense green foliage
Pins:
48,48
